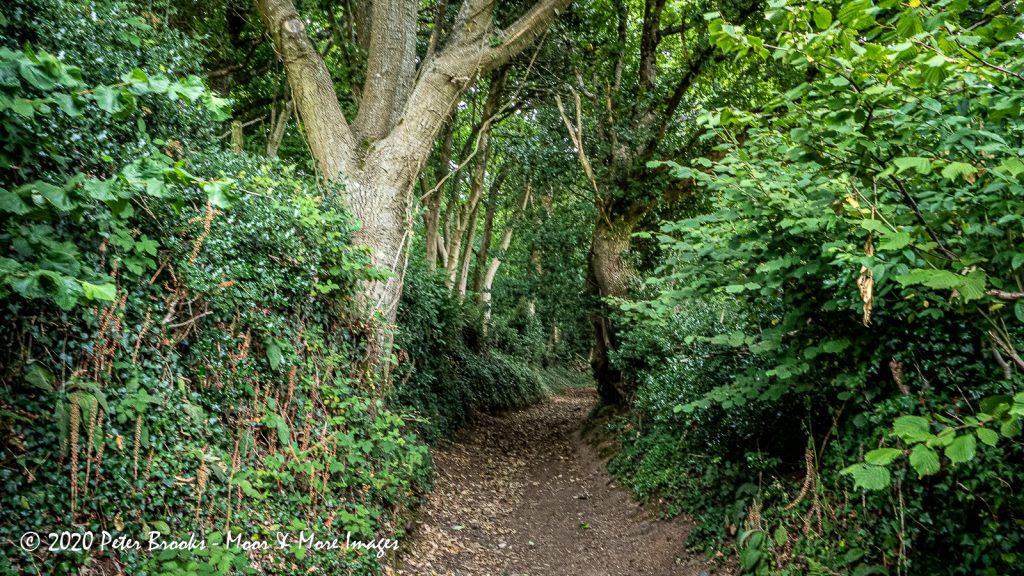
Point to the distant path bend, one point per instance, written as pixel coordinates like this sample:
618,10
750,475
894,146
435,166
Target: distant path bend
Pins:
521,494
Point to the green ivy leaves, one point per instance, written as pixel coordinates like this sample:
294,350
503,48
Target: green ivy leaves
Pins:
41,267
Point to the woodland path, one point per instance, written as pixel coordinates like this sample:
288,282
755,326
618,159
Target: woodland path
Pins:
523,494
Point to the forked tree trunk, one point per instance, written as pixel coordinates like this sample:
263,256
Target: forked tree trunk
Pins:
401,112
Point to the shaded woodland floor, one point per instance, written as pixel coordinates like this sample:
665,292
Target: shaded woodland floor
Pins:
523,494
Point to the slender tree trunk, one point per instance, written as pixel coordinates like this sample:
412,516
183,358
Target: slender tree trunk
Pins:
442,250
467,254
277,129
485,239
237,138
433,200
451,216
467,217
455,243
553,341
535,270
492,269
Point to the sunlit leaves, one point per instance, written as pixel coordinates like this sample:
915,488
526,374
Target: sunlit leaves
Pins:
882,456
822,18
868,476
962,449
919,164
107,99
954,170
857,14
970,285
105,292
924,460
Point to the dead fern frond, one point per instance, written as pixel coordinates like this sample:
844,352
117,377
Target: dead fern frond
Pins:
135,450
76,421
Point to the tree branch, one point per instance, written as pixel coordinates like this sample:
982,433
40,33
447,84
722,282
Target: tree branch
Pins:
1004,295
443,80
435,33
316,101
697,62
504,44
920,218
649,38
576,135
390,68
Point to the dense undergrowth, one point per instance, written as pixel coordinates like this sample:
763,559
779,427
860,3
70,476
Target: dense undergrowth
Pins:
183,357
829,378
454,367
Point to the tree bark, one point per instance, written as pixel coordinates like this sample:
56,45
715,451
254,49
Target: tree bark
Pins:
485,239
277,128
467,254
442,251
649,39
608,275
390,68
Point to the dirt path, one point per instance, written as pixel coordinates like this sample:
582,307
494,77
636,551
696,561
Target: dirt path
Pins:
522,494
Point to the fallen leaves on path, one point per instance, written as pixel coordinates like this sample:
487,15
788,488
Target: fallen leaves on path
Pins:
521,494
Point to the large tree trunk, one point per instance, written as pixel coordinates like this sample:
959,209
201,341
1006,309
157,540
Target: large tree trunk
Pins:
608,275
401,112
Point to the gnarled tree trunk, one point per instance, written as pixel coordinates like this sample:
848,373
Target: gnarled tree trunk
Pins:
608,275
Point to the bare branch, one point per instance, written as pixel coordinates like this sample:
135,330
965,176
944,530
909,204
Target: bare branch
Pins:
576,135
1004,295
